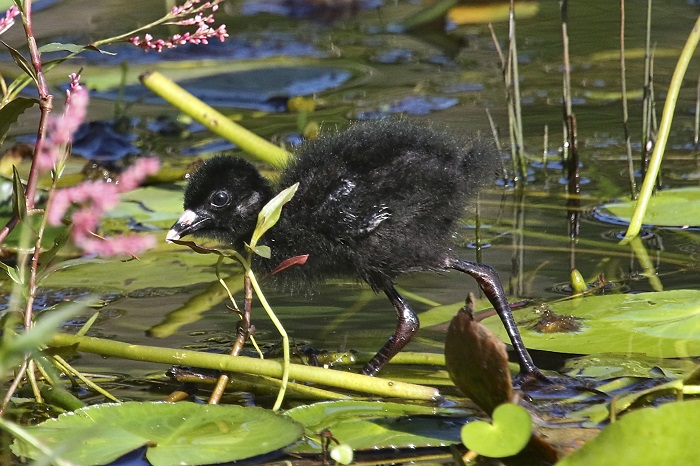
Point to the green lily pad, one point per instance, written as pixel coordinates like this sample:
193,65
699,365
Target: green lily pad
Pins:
156,206
656,324
507,435
167,265
674,208
375,425
662,435
174,433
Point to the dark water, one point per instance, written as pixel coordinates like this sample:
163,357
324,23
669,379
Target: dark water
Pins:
356,68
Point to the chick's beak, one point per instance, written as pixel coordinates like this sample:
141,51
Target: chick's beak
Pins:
188,222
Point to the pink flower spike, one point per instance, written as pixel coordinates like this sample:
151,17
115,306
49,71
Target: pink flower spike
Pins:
133,176
9,19
117,245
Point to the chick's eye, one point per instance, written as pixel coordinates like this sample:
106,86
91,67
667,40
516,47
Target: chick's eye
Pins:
219,199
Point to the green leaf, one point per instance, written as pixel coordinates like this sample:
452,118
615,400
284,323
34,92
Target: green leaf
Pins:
21,61
58,47
270,214
509,433
669,208
263,251
367,425
662,435
14,346
19,200
173,433
11,111
656,324
12,273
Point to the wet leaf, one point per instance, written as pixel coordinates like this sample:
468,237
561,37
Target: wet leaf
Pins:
656,324
477,362
662,435
173,433
507,435
669,208
367,425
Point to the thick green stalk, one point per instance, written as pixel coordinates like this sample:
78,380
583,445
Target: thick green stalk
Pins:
218,123
332,378
664,128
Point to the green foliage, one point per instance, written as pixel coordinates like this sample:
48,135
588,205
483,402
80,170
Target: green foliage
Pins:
16,346
656,324
12,110
663,435
173,433
368,425
669,208
19,201
270,214
507,435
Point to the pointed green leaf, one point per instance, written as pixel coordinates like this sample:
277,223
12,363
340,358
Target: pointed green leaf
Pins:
46,264
263,251
11,111
58,47
270,214
11,272
19,200
21,61
15,346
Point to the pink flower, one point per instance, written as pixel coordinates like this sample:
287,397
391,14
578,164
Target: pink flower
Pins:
60,130
95,198
189,14
9,19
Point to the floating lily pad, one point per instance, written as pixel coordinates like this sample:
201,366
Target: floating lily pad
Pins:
181,267
663,324
661,435
375,425
154,205
507,435
173,433
672,208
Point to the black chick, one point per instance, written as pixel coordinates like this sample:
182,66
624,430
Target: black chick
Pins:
375,201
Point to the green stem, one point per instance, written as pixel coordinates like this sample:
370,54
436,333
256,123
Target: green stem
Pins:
283,333
664,128
215,121
331,378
